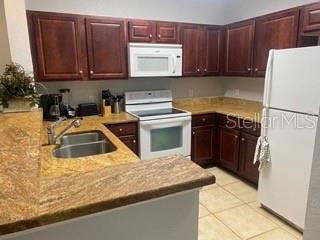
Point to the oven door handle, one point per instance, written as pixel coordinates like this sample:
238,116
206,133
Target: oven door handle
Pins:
165,121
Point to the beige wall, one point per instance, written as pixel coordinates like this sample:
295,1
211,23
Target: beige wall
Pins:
181,87
244,9
15,11
4,41
203,11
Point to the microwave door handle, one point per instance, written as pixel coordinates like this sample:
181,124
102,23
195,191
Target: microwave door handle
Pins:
174,61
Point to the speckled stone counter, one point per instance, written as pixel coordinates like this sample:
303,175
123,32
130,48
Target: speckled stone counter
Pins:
38,189
240,108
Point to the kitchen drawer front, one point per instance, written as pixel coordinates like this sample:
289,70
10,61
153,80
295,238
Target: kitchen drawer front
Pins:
252,128
203,119
228,121
123,129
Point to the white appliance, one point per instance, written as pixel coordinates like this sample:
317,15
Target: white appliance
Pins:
163,130
155,60
290,115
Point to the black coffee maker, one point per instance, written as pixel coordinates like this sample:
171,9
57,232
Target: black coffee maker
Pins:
51,104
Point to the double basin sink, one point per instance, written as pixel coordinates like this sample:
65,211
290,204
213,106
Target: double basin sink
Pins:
83,144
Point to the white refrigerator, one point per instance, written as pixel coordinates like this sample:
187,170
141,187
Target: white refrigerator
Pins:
291,108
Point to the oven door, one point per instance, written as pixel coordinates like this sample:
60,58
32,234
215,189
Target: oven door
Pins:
165,137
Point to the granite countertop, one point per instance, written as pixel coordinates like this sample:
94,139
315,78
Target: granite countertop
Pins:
240,108
37,189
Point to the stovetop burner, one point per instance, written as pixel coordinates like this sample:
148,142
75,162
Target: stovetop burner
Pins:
157,112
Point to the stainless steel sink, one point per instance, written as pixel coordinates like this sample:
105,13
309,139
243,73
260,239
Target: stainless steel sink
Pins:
84,144
84,150
85,137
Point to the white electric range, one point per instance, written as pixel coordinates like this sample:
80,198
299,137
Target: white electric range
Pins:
163,130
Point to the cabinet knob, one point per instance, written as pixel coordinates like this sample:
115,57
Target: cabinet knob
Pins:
150,36
205,69
203,119
256,69
193,133
254,129
249,69
236,137
91,72
198,70
134,141
159,36
81,72
243,139
120,129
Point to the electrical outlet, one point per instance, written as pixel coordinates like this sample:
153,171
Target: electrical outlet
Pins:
191,93
91,99
237,92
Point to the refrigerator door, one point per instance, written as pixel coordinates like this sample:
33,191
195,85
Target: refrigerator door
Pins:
284,184
292,80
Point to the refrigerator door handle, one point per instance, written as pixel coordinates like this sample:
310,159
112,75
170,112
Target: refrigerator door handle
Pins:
268,80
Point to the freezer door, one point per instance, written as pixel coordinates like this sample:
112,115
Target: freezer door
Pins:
293,80
284,184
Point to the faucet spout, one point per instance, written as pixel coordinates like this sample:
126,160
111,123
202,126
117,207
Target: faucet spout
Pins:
52,137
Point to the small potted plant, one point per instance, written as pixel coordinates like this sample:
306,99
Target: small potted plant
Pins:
18,90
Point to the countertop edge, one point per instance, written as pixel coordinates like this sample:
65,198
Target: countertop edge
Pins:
104,206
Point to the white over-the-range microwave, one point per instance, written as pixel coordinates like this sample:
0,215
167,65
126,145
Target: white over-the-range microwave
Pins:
155,60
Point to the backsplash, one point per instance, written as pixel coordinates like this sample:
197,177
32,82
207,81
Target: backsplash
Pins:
90,91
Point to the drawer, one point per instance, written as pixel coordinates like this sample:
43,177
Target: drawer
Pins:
228,121
123,129
203,119
252,128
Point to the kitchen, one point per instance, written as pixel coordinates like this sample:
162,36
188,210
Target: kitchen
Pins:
191,84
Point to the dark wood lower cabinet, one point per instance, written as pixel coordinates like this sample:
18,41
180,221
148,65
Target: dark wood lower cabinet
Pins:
127,133
131,142
229,148
203,141
247,149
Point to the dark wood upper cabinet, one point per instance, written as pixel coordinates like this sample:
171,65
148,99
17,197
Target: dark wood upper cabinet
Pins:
229,148
247,150
239,48
166,32
141,31
57,49
311,18
274,31
106,48
191,39
212,50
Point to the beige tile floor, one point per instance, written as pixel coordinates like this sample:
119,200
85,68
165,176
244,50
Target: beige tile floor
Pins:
229,210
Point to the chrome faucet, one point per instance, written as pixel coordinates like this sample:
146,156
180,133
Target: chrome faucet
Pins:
52,137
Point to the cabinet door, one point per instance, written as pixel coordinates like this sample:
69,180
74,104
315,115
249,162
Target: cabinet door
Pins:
239,48
202,151
247,149
59,50
141,31
106,48
131,142
166,32
275,31
311,18
212,46
190,39
229,148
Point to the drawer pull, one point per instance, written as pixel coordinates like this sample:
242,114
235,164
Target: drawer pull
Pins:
134,141
243,139
203,119
193,133
120,129
159,36
150,36
236,137
81,72
254,129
